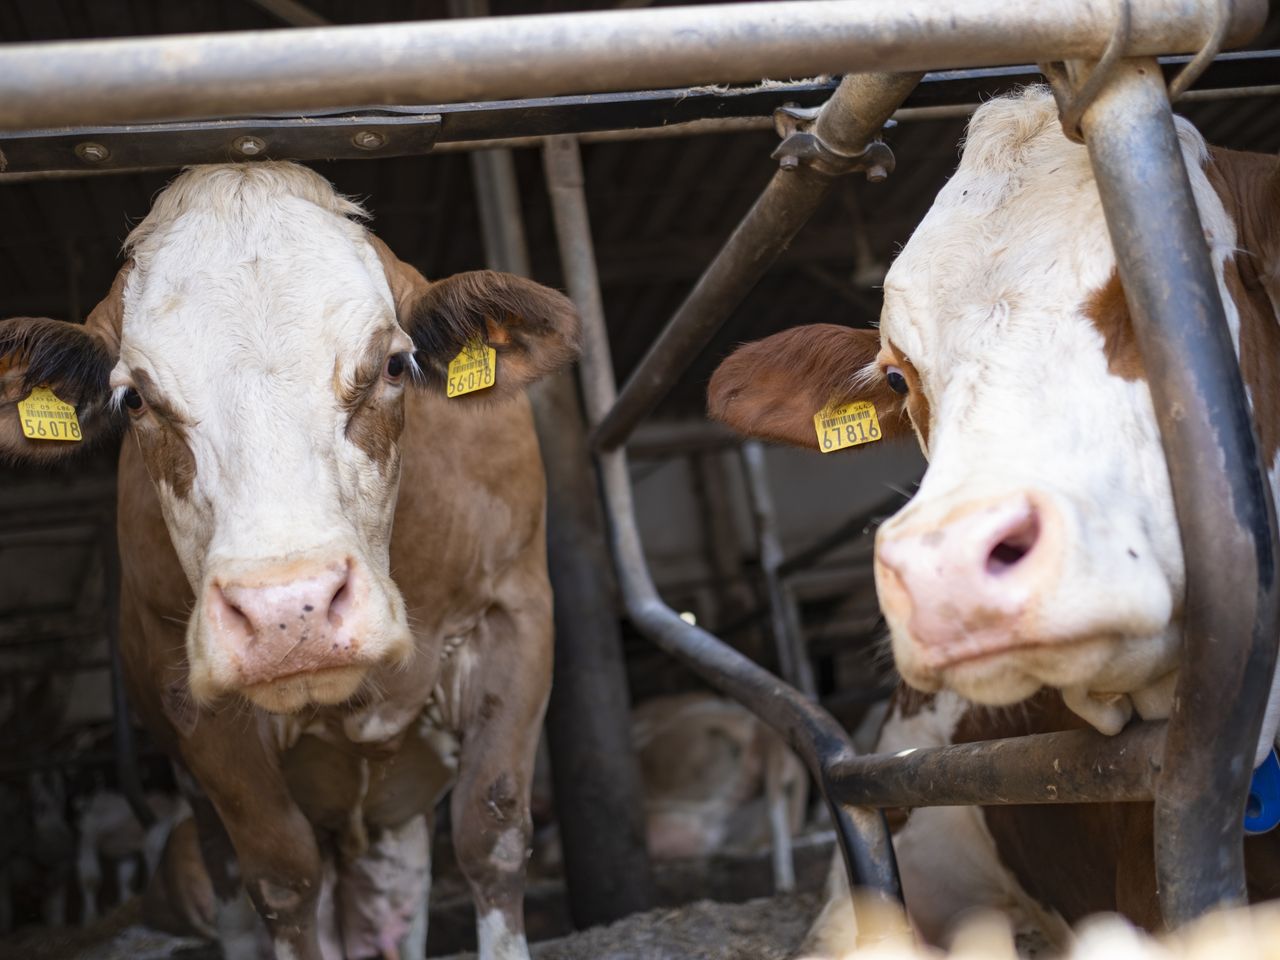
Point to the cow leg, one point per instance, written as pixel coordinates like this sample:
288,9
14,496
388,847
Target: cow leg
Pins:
507,678
276,857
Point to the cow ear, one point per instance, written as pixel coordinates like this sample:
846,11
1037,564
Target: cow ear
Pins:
771,389
72,362
533,329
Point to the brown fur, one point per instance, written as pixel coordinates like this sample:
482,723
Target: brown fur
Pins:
1109,311
771,389
916,399
161,438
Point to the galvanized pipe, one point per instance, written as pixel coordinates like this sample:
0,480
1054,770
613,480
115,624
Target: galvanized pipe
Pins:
815,736
788,637
110,81
1219,488
1076,766
852,117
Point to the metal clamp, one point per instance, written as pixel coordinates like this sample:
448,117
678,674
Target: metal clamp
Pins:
1197,64
1073,103
800,144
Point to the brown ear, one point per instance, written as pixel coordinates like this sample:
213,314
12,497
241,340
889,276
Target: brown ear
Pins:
73,360
533,329
771,389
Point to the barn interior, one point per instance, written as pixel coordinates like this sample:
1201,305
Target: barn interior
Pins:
660,208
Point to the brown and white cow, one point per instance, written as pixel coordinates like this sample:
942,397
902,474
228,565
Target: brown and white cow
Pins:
334,600
1041,549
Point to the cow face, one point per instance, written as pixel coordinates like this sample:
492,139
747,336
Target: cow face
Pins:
259,344
1042,546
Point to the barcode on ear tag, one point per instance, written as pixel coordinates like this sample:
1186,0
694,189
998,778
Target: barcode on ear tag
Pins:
846,425
45,417
474,368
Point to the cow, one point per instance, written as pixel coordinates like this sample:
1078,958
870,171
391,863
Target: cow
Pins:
1041,550
334,596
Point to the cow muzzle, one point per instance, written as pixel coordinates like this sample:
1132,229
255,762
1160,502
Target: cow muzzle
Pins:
963,584
288,635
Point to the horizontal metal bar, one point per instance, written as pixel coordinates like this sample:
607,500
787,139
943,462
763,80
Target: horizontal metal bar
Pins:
506,124
1076,766
179,77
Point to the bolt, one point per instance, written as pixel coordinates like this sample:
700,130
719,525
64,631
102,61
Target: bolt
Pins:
369,140
92,152
789,162
877,174
249,146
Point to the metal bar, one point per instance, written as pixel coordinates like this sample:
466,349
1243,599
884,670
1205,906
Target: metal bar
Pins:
788,638
134,79
1219,488
126,754
815,736
1076,766
852,117
598,118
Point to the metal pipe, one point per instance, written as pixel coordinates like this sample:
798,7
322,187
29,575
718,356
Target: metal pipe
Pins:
1219,488
1076,766
815,736
594,769
67,83
788,637
852,117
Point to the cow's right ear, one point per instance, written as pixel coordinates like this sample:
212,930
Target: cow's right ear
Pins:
74,361
771,389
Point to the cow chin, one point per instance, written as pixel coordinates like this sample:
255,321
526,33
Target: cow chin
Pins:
319,689
1095,672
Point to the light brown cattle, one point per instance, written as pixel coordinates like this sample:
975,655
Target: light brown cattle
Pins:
335,600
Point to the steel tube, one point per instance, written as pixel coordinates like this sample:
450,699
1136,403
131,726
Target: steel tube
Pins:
95,81
1219,489
815,736
1077,766
784,615
852,117
595,771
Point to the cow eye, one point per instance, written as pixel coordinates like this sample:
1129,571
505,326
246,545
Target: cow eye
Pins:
396,366
133,400
897,381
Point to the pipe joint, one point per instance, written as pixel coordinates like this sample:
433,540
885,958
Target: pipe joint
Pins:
801,144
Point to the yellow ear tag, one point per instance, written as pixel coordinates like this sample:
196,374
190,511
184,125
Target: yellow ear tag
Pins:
846,425
45,417
474,368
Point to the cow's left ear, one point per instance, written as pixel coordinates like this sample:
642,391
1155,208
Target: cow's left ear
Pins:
533,329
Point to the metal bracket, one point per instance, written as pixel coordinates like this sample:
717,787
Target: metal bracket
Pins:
800,144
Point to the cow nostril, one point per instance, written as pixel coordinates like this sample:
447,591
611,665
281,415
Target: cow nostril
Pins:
1014,546
230,613
341,601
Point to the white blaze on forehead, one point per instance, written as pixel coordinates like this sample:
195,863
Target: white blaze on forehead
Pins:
988,301
253,295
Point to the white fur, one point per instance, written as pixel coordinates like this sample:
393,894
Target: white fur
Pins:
496,941
253,292
987,300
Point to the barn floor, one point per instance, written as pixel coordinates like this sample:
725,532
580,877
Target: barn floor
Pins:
766,929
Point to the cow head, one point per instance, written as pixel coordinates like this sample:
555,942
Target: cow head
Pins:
259,344
1042,546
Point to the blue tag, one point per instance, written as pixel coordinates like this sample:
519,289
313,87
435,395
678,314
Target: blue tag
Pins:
1262,811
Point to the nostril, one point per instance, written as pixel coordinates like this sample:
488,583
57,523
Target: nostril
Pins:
1014,546
340,601
229,612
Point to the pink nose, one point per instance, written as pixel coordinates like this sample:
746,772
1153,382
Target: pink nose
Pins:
962,585
287,620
